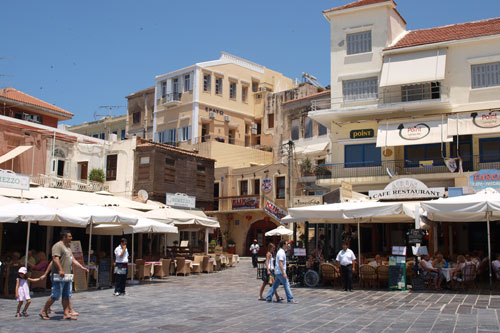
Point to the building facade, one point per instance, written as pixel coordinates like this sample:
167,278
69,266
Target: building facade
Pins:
140,107
107,128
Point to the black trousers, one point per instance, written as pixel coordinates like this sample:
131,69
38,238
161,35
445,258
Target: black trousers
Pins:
254,260
346,272
120,281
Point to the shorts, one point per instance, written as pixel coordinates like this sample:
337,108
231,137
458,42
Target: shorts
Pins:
430,275
61,289
265,276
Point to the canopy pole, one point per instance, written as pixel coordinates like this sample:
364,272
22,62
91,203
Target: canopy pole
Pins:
28,243
359,253
111,248
133,264
206,240
489,246
165,245
90,241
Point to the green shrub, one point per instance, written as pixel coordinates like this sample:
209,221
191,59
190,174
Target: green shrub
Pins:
97,175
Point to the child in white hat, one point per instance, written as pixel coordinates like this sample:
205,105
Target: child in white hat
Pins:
23,291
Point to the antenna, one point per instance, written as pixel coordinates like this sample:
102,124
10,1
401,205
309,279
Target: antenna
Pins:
110,110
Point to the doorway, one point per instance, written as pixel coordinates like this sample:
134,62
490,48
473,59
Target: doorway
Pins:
204,132
60,168
83,168
257,231
464,150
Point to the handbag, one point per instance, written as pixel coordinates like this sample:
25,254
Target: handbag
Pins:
271,279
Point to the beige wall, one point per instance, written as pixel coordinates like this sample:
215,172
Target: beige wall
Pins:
232,155
107,126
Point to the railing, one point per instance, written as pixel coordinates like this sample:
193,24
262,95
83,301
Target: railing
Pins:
403,167
175,96
69,184
390,95
230,140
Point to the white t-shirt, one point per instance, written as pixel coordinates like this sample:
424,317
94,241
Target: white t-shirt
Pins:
280,256
118,252
495,264
346,257
254,248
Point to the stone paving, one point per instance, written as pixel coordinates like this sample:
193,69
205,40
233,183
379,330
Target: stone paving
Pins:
227,302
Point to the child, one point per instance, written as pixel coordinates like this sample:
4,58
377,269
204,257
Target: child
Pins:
23,291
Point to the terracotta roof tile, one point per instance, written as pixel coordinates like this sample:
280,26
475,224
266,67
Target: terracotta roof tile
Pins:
355,4
449,33
19,96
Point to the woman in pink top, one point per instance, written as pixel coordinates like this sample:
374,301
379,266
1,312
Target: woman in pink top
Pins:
41,262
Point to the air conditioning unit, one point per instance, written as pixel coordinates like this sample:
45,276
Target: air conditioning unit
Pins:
227,118
254,126
254,130
211,115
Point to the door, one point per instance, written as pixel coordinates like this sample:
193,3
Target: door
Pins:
60,168
216,196
257,231
83,168
464,150
204,132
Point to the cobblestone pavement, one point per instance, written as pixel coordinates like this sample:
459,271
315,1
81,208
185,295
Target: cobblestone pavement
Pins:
227,302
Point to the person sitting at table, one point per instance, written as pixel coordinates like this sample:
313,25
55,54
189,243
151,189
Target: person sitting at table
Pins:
310,262
41,262
456,273
377,262
439,261
31,258
14,260
495,265
430,272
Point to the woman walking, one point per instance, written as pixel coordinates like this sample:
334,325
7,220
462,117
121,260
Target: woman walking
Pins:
268,273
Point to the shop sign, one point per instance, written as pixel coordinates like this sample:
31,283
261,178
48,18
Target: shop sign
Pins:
181,200
267,184
488,119
245,203
362,133
9,179
485,178
275,211
311,200
415,132
406,188
207,109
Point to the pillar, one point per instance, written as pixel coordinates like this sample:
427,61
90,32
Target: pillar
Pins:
446,238
139,250
374,238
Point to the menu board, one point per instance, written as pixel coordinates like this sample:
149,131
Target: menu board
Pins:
397,273
104,275
79,276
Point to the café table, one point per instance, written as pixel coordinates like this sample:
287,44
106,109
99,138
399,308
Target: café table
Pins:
446,273
154,265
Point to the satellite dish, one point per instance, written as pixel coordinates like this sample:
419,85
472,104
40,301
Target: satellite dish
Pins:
143,195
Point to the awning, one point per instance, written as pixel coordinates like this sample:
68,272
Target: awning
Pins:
413,132
474,123
14,153
311,149
425,66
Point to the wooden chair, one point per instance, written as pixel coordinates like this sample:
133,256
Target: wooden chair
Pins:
165,266
143,270
469,274
218,263
183,266
328,273
207,265
368,276
383,275
229,260
38,284
196,265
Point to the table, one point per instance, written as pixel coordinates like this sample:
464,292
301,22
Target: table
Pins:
447,273
153,265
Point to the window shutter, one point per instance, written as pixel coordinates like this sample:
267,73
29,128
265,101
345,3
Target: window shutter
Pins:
181,83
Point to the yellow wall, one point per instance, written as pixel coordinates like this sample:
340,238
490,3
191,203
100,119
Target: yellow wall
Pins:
234,156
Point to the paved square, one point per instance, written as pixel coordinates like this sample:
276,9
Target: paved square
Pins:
227,302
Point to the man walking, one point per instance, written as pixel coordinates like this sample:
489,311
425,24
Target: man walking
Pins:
121,267
345,258
280,276
61,275
254,248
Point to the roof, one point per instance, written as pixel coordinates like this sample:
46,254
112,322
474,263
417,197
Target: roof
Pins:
19,96
324,92
143,143
355,4
447,33
147,90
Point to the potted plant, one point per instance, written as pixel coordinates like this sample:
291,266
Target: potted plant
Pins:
97,175
212,245
305,167
231,246
176,242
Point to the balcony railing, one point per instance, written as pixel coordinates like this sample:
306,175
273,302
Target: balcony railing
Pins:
403,167
171,97
430,91
69,184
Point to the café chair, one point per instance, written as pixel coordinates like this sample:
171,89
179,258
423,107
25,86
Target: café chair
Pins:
183,266
468,278
369,276
143,270
327,273
165,266
207,265
196,265
382,275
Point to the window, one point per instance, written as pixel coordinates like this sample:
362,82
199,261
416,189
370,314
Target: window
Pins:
256,186
169,136
123,134
243,187
255,86
175,89
169,170
280,188
322,130
170,162
309,128
230,138
430,152
232,90
95,136
185,133
270,120
359,42
295,129
207,82
218,86
200,176
102,136
111,164
163,89
200,168
244,93
485,75
422,91
187,82
362,155
360,89
489,150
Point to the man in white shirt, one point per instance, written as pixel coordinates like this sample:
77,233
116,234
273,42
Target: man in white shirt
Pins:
254,249
280,276
345,257
121,267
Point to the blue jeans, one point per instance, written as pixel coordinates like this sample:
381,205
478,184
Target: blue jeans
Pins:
280,279
60,289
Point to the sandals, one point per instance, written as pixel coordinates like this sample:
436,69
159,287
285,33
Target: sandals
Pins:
280,299
70,318
25,314
261,299
44,316
18,315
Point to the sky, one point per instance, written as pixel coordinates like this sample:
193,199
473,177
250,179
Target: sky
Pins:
80,55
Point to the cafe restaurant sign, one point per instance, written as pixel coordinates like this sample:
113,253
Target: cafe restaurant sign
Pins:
405,189
181,200
310,200
14,180
245,203
485,178
362,133
274,210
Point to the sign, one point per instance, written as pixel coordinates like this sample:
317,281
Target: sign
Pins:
207,109
399,250
414,132
299,252
346,190
485,178
9,179
311,200
245,203
267,184
406,188
104,273
181,200
414,236
397,273
362,133
79,276
275,211
474,123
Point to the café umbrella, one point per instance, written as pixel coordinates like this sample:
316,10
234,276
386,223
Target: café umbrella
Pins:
279,231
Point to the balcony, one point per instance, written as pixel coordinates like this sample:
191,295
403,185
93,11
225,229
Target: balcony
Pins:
170,99
387,99
84,185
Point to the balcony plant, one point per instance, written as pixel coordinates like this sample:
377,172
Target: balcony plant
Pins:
306,167
321,170
97,175
231,246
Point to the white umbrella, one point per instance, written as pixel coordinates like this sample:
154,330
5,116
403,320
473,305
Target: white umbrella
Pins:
180,217
7,201
279,231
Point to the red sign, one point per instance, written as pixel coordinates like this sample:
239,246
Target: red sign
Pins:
245,203
274,210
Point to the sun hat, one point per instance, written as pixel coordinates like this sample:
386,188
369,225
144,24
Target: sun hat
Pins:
22,270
